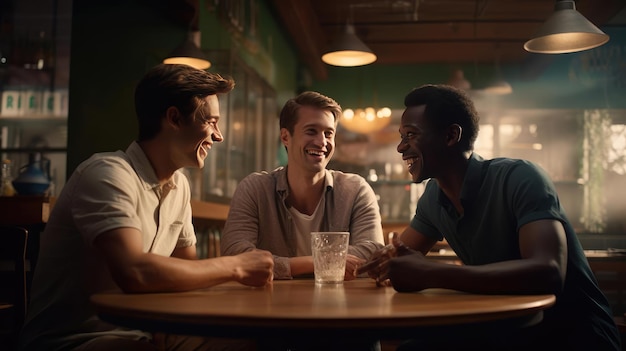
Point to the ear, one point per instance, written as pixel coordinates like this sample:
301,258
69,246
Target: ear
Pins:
284,136
173,117
454,134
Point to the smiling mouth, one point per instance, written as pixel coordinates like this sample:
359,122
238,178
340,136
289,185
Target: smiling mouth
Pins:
205,149
318,153
410,161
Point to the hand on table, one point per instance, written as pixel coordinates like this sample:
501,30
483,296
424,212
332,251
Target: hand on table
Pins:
377,267
409,272
256,268
352,264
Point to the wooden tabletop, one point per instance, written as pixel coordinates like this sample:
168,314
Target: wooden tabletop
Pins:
302,306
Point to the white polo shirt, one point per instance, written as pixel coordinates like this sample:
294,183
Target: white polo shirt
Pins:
107,191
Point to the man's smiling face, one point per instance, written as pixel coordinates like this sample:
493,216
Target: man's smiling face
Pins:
312,144
200,133
419,144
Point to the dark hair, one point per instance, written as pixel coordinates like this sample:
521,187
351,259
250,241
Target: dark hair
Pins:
167,85
446,105
289,113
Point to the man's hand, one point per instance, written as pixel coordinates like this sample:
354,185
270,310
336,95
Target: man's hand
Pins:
352,264
255,268
410,272
378,265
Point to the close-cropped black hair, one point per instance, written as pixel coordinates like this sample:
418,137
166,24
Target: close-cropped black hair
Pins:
444,106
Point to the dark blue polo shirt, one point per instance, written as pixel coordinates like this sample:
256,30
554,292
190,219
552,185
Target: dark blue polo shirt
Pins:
498,197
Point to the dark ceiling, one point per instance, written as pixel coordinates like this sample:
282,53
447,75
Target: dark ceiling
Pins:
427,31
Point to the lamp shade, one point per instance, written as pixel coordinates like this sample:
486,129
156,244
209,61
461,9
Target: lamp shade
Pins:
188,53
348,50
458,80
499,87
566,31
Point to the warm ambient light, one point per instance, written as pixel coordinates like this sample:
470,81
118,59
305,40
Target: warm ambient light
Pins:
499,87
527,139
365,121
566,31
189,53
348,50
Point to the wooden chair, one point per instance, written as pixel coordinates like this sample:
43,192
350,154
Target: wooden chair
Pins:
621,323
621,326
13,297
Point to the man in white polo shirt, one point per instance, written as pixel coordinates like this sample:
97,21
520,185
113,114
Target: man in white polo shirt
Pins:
123,221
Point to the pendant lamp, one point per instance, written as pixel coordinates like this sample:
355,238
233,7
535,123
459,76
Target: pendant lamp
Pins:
566,31
498,87
347,50
189,53
458,80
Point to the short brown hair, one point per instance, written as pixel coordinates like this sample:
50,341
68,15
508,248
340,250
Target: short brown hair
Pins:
289,113
167,85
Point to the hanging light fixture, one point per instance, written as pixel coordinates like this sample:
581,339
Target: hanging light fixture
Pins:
189,53
498,86
347,50
457,80
566,31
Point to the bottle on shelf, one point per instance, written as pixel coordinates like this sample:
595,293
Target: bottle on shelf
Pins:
6,185
33,178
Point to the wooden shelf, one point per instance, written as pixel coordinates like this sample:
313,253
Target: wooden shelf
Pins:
212,211
34,117
24,209
208,220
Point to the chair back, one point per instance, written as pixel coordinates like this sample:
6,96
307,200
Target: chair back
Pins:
14,299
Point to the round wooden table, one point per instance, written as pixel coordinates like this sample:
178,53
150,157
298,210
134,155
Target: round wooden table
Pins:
298,307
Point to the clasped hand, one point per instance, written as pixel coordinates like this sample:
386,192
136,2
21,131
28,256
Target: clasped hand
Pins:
377,267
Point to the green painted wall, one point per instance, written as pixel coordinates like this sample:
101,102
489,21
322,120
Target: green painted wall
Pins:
114,42
376,85
266,48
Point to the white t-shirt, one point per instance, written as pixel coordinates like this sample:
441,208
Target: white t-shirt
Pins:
304,224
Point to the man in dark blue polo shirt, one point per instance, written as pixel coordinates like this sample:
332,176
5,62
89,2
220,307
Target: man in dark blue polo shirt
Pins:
503,219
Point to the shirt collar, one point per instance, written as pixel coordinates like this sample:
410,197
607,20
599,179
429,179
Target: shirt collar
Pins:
282,186
142,166
471,184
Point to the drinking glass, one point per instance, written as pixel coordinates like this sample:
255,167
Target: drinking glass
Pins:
329,256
